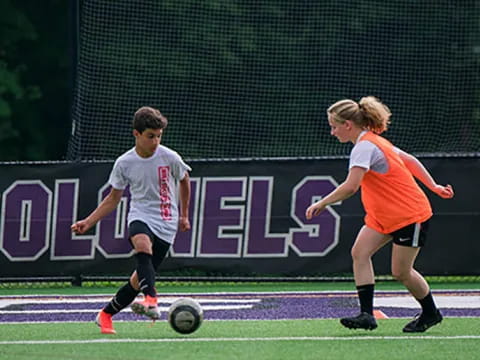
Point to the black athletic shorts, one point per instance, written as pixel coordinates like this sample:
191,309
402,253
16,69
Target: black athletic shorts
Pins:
159,247
413,235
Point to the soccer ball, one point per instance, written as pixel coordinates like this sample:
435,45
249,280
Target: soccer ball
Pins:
185,315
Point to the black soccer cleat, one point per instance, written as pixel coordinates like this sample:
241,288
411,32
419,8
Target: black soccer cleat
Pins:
423,322
362,321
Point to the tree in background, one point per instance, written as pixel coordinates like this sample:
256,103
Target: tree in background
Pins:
34,94
243,78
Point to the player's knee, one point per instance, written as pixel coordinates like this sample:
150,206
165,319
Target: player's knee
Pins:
142,244
354,253
401,274
358,255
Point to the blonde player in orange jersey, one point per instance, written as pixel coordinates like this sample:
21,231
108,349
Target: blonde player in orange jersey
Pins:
396,207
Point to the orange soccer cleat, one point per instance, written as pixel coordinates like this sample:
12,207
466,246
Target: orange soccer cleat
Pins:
104,321
147,307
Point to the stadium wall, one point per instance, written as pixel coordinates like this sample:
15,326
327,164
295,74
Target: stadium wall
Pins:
247,219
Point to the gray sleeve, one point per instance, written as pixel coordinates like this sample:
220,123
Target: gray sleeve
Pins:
179,168
117,178
361,155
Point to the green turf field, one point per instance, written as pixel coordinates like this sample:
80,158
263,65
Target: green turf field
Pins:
455,338
171,287
293,339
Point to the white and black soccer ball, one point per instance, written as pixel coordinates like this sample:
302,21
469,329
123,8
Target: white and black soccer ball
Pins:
185,315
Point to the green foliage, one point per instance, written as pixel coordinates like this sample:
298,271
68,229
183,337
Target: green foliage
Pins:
253,78
29,69
229,69
14,28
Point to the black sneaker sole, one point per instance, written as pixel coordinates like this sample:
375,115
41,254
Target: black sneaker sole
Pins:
353,325
424,328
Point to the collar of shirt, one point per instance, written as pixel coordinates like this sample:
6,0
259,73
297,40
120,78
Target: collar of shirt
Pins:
360,135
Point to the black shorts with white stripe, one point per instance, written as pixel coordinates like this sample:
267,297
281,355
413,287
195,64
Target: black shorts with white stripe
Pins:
413,235
159,247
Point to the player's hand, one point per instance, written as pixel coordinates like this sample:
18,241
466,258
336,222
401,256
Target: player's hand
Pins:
80,227
183,223
445,192
314,210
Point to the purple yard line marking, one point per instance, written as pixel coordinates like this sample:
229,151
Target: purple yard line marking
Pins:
238,306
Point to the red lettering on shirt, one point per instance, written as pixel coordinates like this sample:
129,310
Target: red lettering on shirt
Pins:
165,201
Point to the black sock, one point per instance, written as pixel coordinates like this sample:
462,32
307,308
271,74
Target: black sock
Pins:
124,297
146,274
365,295
428,305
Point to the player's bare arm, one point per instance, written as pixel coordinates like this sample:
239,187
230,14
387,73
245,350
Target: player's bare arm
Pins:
346,189
108,204
421,173
183,221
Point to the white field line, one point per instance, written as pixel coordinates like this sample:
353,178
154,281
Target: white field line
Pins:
88,299
95,311
450,301
435,292
239,339
444,301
